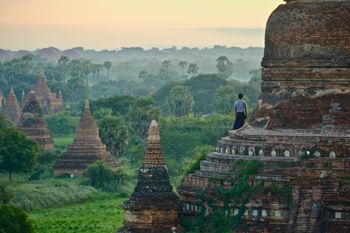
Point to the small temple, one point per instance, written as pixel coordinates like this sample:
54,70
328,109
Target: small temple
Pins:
299,132
49,102
11,110
153,207
86,149
32,123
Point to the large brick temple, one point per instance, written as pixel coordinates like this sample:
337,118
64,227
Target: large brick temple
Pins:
32,123
49,102
86,149
153,207
299,132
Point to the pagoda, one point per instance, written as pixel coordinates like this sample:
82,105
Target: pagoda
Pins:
11,109
32,123
153,207
48,101
86,149
299,132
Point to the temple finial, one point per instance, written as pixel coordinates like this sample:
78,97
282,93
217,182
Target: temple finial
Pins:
154,156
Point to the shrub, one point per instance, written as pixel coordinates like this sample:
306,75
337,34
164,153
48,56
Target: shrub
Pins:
5,194
14,220
61,123
55,193
101,176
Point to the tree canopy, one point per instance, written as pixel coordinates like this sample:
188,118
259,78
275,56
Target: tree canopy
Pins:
18,153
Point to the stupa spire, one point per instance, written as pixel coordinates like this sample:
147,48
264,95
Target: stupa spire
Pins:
153,207
154,156
11,108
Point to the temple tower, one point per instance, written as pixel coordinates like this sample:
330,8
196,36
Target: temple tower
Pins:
86,149
48,101
299,132
32,123
153,207
11,109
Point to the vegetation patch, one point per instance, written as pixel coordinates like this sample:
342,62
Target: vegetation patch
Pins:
52,193
102,216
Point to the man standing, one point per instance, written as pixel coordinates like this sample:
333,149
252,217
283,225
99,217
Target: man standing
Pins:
240,108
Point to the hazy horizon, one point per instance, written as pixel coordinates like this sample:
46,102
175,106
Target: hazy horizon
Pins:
112,24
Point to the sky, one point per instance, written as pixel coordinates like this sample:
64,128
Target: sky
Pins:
112,24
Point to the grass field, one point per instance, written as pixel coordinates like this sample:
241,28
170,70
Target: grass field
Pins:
63,141
102,216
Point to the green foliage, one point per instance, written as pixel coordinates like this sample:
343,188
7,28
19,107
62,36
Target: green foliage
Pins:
224,97
113,133
51,193
5,194
61,123
199,154
224,66
180,101
140,115
18,153
248,168
119,105
100,176
193,69
62,142
103,216
14,220
202,88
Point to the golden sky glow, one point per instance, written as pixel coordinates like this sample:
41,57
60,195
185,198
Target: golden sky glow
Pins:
111,24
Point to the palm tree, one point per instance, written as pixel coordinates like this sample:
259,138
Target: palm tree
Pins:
107,65
224,66
166,64
193,69
183,64
62,64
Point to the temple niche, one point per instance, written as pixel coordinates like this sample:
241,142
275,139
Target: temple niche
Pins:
300,129
10,109
153,207
32,123
86,149
49,102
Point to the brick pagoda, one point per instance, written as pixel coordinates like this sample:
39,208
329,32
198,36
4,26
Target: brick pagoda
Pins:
86,149
299,132
32,123
49,102
153,207
11,109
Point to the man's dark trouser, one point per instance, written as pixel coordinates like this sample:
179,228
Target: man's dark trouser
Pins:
239,122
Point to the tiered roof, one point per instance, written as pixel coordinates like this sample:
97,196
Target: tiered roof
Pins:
86,149
32,123
154,155
48,101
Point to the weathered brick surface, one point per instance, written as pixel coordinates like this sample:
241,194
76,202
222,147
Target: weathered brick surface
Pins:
304,112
